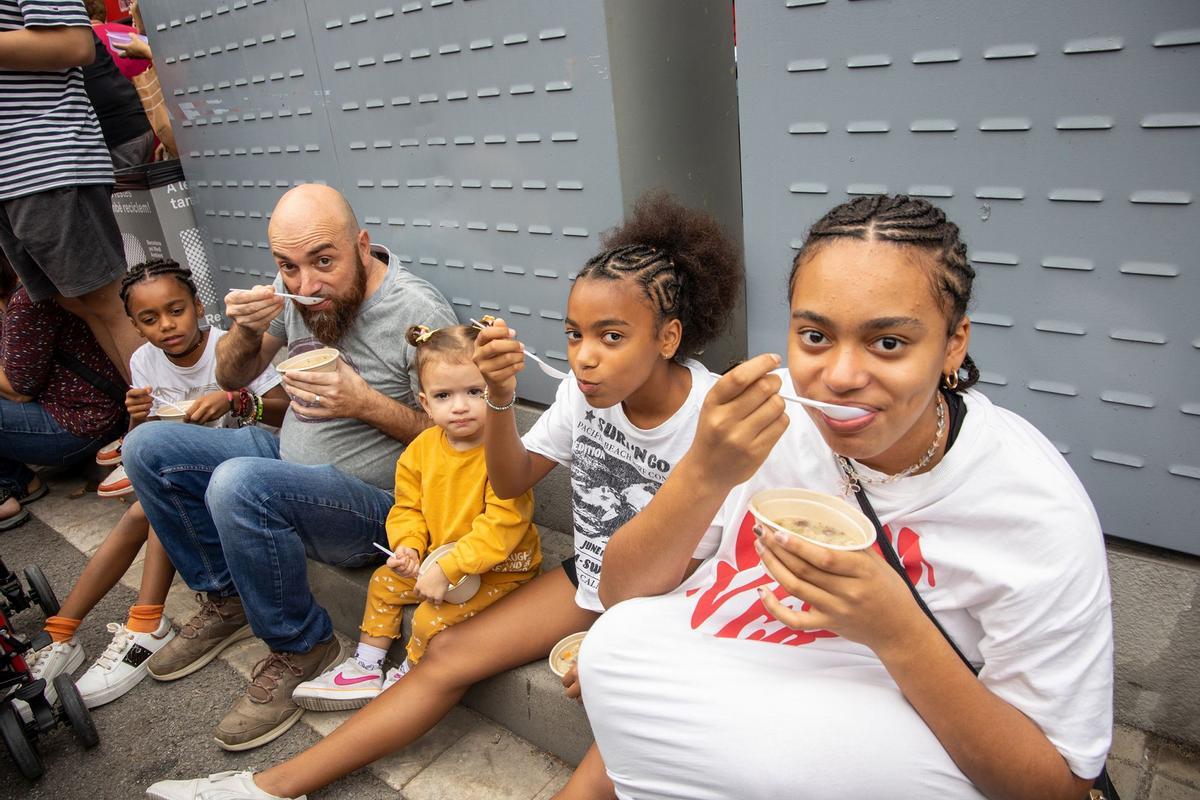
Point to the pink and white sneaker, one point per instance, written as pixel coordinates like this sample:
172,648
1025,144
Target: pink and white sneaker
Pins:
346,686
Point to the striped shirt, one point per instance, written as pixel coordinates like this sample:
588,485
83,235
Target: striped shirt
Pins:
49,134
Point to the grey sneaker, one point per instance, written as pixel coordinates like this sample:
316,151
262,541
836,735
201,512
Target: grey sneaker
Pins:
266,710
220,622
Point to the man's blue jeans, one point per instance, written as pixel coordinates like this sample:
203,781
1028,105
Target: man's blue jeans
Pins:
29,435
235,519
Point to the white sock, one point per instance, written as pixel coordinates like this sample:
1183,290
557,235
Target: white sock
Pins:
369,656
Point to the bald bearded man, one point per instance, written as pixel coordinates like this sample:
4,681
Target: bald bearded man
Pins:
238,510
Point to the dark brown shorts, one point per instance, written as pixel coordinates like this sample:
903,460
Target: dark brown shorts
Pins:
62,241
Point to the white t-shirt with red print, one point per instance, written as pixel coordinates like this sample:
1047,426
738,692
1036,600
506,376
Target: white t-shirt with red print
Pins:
699,693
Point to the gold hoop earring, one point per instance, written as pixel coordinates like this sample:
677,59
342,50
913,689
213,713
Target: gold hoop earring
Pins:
950,380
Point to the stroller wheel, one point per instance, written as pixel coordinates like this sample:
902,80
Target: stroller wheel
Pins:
75,711
40,590
19,747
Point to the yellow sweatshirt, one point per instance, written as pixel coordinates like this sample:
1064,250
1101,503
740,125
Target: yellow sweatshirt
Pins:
443,495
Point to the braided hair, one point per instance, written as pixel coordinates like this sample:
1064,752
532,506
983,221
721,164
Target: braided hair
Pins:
451,345
910,222
155,268
682,261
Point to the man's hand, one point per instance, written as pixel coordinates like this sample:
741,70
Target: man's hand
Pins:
138,403
206,408
253,309
405,562
434,584
341,394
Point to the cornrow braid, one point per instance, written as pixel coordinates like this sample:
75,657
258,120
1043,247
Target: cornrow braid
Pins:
682,261
653,269
911,222
155,268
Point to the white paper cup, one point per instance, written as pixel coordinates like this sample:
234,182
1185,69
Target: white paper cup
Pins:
322,360
460,592
174,412
565,653
774,507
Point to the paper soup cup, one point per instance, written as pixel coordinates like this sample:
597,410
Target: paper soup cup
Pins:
565,653
819,518
322,360
174,412
460,592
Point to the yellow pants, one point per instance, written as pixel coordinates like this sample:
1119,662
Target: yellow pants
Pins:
388,594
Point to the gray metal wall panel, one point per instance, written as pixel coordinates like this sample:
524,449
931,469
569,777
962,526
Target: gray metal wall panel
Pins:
1064,138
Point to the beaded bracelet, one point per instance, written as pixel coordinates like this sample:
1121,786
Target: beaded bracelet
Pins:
495,407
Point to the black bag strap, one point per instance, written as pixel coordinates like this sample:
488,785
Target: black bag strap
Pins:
90,375
1102,788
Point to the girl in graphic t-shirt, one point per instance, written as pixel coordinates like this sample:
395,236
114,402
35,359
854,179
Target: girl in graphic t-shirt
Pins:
813,672
178,363
662,288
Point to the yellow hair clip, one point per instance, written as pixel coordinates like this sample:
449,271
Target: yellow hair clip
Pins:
426,333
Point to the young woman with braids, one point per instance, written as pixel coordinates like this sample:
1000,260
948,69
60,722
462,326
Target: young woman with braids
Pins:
176,362
661,289
799,671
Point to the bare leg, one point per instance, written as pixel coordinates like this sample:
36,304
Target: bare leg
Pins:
104,313
590,781
522,627
157,572
110,562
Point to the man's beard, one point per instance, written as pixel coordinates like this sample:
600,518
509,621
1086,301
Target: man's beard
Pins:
331,325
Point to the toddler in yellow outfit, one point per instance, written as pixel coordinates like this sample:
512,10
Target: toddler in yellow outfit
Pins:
443,496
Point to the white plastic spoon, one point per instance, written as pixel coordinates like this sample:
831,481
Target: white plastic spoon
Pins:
557,374
302,299
830,410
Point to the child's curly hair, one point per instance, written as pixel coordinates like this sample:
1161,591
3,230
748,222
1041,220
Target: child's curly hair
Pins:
687,267
452,345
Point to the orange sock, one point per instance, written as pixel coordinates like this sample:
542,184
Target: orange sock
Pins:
144,618
61,628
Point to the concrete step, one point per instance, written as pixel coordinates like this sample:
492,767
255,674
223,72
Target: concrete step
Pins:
528,701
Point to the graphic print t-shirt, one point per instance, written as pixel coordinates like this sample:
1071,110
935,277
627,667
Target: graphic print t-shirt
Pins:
1000,539
616,467
150,366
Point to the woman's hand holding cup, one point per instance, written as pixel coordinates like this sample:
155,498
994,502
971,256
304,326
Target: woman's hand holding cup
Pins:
853,593
499,357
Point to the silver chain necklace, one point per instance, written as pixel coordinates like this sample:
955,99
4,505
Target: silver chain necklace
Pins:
852,481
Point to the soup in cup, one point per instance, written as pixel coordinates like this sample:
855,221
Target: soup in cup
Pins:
819,518
174,412
565,653
322,360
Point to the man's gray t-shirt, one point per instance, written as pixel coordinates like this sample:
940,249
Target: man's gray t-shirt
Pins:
375,348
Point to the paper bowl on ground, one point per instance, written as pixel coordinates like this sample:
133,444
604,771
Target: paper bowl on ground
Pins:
174,412
460,592
819,518
565,653
322,360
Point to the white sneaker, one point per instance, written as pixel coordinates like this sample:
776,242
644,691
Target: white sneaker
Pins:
394,674
48,663
346,686
219,786
123,664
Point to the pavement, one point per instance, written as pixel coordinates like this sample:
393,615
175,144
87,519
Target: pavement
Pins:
163,730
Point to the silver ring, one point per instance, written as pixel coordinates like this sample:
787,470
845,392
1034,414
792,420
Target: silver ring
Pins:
317,401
